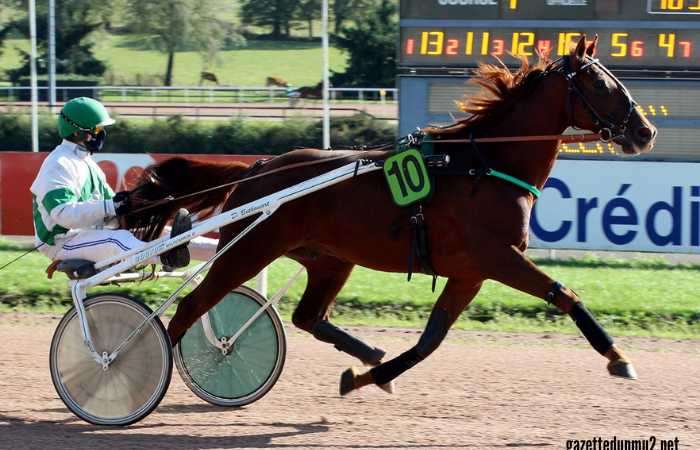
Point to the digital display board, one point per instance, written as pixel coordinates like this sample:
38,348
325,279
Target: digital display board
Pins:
659,35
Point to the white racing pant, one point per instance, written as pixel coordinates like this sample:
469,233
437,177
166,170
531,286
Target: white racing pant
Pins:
98,245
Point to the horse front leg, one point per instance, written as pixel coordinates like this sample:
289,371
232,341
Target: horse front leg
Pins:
518,272
452,302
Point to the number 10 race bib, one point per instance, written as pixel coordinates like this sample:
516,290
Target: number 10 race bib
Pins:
408,177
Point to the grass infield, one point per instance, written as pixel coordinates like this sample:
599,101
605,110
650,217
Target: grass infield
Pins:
643,297
129,62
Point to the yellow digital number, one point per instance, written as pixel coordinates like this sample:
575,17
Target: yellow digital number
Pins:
696,7
513,4
470,43
616,43
564,39
518,47
485,43
674,5
669,44
436,44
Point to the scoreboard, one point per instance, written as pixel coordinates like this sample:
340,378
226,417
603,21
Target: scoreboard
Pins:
652,45
643,34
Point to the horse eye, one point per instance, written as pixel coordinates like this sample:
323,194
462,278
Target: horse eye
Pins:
599,84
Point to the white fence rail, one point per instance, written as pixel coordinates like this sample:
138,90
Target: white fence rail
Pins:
196,94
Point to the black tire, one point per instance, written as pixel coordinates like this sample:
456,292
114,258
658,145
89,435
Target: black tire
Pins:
254,364
134,383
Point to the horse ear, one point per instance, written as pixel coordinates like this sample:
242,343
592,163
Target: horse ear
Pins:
580,48
591,48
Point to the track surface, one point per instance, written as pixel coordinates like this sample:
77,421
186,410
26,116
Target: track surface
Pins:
480,390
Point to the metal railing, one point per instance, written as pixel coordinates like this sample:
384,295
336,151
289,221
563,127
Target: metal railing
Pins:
197,94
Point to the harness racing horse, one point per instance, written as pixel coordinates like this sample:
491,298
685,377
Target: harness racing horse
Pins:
477,222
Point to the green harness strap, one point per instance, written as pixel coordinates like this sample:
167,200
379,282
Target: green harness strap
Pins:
515,181
489,171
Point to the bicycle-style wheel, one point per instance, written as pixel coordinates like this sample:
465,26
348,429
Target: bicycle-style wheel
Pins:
133,384
250,368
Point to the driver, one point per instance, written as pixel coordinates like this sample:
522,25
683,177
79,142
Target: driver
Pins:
74,207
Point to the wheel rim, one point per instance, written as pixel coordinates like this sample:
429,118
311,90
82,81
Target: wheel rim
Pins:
251,362
134,380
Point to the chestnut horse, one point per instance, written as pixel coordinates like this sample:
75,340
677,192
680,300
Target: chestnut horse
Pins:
477,225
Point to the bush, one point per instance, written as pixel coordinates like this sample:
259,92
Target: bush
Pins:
182,136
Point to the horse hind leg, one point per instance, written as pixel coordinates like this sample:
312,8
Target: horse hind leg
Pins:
347,342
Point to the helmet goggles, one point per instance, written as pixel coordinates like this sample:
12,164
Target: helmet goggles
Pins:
94,130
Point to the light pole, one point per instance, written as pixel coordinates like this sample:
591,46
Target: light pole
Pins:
52,55
32,75
326,109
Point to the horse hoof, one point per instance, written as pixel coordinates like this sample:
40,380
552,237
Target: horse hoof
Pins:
347,380
622,369
389,387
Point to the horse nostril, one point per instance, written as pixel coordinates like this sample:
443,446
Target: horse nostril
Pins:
645,133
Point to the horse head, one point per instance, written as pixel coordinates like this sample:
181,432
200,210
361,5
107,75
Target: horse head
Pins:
604,105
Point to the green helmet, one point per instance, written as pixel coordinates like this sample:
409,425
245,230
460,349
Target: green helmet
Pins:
82,114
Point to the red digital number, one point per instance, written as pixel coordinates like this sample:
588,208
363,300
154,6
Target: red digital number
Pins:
409,46
686,48
452,45
544,47
499,47
637,49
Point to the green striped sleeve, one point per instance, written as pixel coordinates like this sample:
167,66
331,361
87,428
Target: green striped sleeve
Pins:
41,231
57,197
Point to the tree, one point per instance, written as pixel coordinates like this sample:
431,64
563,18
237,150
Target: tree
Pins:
277,14
308,11
345,10
371,46
74,23
170,24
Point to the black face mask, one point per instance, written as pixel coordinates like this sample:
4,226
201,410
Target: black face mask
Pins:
95,144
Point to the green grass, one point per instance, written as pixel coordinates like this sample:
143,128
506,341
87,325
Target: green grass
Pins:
131,63
639,297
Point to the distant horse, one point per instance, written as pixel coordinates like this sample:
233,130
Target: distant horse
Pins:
477,220
298,96
208,76
276,81
315,92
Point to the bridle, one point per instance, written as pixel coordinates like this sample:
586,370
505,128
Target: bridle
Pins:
608,130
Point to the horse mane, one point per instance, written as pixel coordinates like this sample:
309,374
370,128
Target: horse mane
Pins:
178,178
500,90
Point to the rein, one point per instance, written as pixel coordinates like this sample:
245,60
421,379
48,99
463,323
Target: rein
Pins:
588,137
552,137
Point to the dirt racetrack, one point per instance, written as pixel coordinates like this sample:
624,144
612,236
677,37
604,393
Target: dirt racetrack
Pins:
480,390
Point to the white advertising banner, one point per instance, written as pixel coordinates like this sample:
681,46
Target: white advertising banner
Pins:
621,205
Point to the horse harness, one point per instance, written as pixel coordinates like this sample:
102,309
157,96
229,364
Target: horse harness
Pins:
608,130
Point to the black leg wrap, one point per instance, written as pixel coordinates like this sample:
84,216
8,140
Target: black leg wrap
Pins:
434,333
347,342
599,339
389,370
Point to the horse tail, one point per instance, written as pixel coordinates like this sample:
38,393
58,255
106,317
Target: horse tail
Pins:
201,187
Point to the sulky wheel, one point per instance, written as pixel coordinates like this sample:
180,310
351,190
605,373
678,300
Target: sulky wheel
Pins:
245,372
133,384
